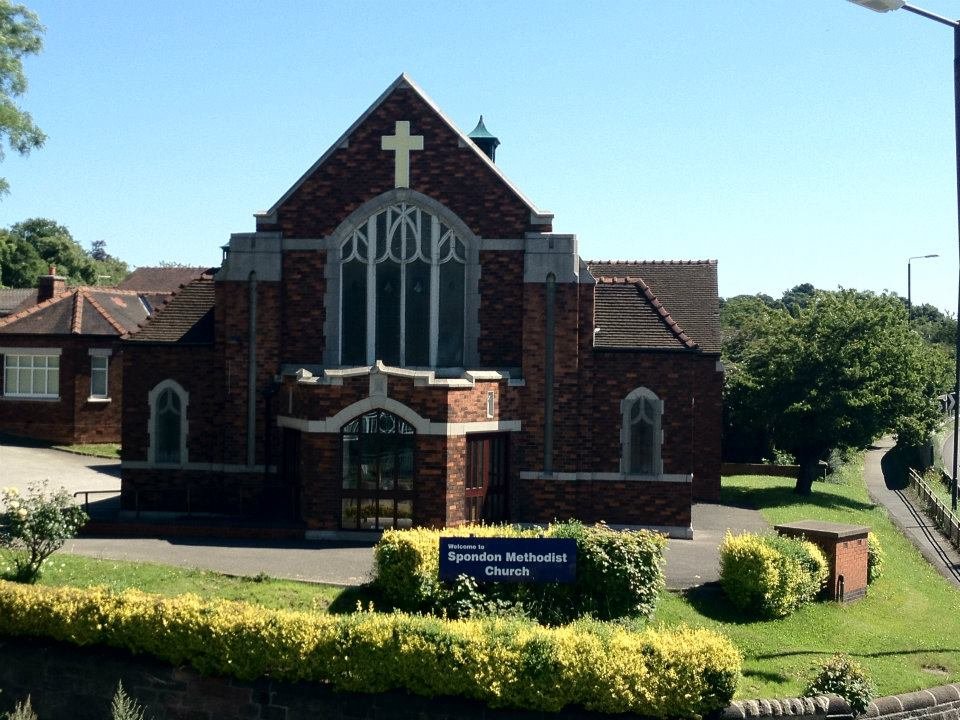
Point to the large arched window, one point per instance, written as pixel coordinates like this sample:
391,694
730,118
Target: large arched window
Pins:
403,285
641,437
168,423
376,472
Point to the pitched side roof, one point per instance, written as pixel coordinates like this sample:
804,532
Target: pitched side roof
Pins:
12,298
186,318
79,311
160,279
686,292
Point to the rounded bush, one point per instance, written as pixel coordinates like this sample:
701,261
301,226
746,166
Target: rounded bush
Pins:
619,574
771,575
875,558
844,677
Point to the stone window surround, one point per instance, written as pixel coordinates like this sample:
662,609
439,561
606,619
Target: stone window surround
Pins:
105,353
32,351
626,405
356,221
152,397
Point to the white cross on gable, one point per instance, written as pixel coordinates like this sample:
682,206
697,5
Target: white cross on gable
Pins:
402,142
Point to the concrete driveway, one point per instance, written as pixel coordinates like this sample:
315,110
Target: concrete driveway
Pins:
22,464
689,562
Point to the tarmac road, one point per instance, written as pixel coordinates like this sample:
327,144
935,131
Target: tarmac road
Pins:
689,562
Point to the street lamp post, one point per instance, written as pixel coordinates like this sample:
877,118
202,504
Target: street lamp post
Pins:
909,297
887,6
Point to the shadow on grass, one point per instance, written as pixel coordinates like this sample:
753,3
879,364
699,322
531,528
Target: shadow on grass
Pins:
884,653
362,597
754,498
711,601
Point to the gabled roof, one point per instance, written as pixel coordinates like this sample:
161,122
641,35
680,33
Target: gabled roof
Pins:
404,81
657,304
79,311
160,279
186,318
12,298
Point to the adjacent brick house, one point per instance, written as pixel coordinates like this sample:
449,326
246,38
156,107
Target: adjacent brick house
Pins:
62,377
404,341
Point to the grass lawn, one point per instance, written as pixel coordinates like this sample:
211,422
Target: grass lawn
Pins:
906,632
80,571
111,451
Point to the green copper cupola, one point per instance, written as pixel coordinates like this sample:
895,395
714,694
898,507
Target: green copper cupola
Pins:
484,140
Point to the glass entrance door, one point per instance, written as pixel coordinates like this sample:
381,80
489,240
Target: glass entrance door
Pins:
376,488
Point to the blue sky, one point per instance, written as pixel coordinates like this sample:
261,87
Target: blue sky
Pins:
794,142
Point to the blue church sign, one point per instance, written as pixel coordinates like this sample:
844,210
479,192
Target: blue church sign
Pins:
518,560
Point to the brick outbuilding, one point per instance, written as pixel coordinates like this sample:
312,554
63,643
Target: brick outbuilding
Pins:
404,341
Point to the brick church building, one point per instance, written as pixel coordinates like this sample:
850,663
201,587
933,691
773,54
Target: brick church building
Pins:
404,341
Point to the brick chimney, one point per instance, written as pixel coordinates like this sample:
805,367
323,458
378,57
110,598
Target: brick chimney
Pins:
50,285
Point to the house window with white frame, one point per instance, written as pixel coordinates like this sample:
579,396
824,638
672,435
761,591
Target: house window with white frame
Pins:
641,435
99,375
403,283
31,374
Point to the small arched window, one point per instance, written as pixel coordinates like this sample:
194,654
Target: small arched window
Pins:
168,424
403,284
641,437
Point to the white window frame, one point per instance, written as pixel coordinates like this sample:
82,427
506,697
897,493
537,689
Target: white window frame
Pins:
626,407
27,352
95,355
153,398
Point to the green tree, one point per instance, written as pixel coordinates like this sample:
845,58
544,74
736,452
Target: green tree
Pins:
20,35
28,248
844,369
20,263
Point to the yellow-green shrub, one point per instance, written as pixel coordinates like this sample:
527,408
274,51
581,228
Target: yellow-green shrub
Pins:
503,662
619,573
769,574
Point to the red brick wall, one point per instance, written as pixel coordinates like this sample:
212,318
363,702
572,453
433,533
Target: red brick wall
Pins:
71,418
614,502
501,309
145,366
303,313
232,342
443,170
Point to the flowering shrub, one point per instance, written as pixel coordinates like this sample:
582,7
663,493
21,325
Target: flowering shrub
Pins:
845,677
505,662
35,525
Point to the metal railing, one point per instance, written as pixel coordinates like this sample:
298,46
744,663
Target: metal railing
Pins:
936,509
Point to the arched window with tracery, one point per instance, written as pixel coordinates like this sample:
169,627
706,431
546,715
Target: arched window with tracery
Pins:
403,284
641,436
376,472
168,423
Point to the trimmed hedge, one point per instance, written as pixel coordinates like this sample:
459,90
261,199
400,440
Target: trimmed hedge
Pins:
619,574
770,574
503,662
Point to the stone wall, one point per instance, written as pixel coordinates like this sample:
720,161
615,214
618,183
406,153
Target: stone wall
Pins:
71,683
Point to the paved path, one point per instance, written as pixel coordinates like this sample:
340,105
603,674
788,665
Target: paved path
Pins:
886,485
689,562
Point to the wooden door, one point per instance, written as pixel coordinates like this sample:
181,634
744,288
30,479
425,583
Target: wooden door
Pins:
486,481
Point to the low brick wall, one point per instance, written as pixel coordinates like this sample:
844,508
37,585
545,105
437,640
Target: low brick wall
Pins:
790,471
66,682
